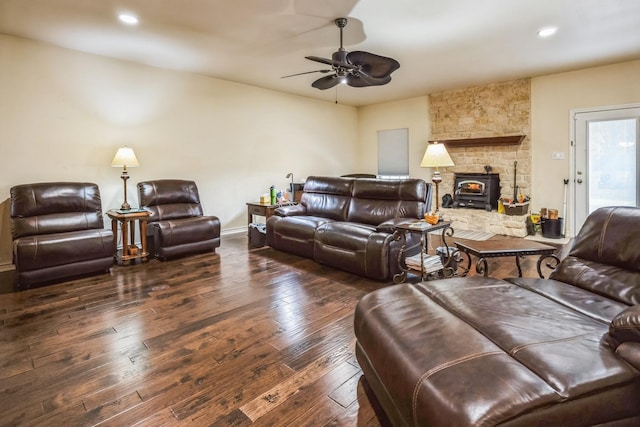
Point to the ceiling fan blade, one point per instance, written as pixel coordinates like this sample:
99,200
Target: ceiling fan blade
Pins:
321,60
336,61
306,72
362,80
373,65
326,82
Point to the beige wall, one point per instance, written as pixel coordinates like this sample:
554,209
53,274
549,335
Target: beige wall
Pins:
552,99
412,113
65,113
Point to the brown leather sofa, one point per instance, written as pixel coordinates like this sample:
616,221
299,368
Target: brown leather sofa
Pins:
58,232
177,225
563,351
348,223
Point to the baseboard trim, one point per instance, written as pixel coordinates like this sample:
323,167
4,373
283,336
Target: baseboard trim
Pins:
234,231
7,267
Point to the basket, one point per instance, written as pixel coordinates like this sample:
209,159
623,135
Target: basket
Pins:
257,235
516,208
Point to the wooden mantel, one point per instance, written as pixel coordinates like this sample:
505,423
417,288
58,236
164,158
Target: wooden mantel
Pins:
478,142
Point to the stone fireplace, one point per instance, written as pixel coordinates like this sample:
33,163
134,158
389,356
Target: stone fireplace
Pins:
485,126
476,190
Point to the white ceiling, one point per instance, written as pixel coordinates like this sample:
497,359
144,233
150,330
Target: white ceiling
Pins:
440,44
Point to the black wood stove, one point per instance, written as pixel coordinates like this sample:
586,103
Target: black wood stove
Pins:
476,190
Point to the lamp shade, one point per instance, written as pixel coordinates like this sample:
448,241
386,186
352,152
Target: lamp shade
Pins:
436,156
125,157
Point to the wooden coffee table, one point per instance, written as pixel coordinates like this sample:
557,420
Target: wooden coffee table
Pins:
517,248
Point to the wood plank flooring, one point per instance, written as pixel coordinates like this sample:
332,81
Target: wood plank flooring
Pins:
240,337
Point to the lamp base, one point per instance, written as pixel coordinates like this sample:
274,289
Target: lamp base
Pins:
437,179
125,176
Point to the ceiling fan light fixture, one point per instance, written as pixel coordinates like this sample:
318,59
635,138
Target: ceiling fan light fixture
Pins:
547,32
341,74
128,18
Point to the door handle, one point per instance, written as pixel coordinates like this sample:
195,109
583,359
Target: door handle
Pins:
579,181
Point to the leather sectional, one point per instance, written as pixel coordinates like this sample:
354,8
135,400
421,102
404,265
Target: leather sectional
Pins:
58,232
177,225
562,351
348,223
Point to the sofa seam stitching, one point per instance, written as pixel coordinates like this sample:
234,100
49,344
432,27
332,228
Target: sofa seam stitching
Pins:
441,367
520,347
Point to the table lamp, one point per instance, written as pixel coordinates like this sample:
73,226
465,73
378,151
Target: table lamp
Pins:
436,156
125,157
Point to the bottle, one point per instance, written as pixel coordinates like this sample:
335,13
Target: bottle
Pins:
273,194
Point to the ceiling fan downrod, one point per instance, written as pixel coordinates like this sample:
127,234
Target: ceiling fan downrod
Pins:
340,55
341,23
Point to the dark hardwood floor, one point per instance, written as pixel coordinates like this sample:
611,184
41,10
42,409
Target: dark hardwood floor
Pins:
236,338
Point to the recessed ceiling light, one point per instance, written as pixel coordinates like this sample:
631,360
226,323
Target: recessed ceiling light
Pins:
547,31
127,18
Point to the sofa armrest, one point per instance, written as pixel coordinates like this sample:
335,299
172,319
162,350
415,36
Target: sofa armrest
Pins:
389,226
291,210
630,352
625,327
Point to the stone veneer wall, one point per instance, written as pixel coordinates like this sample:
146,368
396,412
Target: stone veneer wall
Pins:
481,220
499,109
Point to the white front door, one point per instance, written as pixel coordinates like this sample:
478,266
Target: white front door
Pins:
606,160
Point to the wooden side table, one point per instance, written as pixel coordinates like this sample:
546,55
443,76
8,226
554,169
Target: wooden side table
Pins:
423,228
129,249
259,209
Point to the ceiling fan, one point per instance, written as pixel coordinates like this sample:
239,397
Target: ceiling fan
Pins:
357,69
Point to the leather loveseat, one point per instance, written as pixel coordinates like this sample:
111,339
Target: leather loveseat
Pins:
177,225
58,232
562,351
348,223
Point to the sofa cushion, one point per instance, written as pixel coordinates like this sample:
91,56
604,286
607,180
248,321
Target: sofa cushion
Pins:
294,234
168,199
375,201
327,197
610,281
50,250
185,230
353,247
46,208
581,300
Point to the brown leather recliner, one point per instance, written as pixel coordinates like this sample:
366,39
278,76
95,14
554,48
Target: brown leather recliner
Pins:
58,232
477,351
177,225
